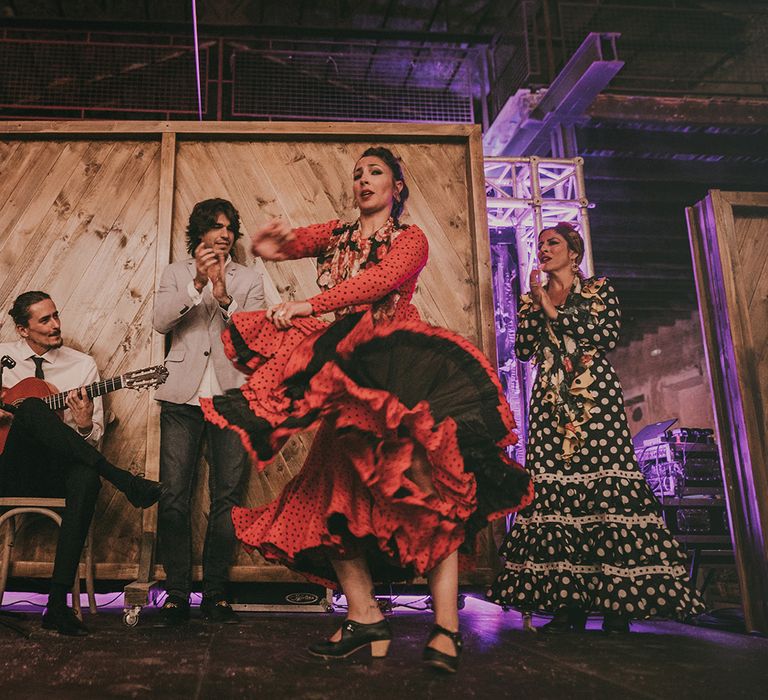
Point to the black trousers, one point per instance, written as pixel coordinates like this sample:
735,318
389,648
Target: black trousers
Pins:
182,428
44,457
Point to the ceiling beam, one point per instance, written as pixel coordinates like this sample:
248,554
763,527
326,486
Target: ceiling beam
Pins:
639,140
715,175
524,128
690,110
253,31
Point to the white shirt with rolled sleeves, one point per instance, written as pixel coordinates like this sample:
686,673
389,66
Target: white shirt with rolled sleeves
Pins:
196,361
65,368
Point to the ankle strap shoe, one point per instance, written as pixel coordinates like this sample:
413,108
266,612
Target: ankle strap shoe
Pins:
439,660
355,636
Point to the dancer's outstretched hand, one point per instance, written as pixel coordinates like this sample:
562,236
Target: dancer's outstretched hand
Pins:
267,240
281,314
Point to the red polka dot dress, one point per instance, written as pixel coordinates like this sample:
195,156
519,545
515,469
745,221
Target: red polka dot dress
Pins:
380,386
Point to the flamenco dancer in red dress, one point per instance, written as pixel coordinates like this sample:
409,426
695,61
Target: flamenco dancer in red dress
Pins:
408,462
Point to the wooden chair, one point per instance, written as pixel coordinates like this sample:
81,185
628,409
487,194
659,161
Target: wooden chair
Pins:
13,506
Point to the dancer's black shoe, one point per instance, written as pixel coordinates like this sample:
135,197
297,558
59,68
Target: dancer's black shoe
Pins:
355,636
439,660
614,623
566,619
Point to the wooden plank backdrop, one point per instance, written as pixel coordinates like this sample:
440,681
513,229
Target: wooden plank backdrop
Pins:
92,212
729,243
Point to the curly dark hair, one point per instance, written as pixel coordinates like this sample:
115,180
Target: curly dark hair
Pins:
203,218
393,163
19,312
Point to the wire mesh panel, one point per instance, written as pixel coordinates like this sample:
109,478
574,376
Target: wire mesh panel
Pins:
361,83
516,58
99,76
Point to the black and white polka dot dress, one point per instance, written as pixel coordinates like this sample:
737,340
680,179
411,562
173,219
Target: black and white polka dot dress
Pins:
593,536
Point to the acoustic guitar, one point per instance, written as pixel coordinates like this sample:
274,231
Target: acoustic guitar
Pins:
57,401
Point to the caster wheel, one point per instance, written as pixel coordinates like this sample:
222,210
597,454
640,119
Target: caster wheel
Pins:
131,617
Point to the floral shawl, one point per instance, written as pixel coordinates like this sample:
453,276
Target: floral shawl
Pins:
349,253
565,366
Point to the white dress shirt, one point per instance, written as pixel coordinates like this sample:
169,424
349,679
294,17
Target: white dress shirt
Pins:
209,384
63,367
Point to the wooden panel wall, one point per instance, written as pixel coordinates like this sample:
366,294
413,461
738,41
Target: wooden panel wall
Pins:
78,219
117,209
729,242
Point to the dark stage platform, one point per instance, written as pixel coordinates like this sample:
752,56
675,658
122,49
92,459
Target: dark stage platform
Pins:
264,658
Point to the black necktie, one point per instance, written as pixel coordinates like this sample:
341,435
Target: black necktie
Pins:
39,374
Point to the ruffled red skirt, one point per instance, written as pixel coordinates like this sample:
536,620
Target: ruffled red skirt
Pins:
376,394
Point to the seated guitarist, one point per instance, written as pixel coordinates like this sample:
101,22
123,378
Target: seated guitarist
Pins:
47,457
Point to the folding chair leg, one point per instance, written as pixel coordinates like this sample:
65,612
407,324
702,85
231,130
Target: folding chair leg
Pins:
76,597
89,586
9,540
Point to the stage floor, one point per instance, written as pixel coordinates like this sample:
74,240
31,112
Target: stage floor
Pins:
265,657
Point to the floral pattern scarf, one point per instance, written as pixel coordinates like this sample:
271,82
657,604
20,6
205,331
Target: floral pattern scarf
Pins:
349,252
565,366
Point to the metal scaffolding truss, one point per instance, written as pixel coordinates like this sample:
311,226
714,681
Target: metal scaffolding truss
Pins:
526,194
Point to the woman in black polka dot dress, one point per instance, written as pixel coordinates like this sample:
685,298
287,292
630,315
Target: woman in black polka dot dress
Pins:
593,540
408,463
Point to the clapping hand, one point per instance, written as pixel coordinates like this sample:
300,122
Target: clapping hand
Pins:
219,280
540,296
267,240
209,265
537,290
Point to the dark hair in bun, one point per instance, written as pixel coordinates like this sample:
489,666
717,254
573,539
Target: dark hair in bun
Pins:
391,161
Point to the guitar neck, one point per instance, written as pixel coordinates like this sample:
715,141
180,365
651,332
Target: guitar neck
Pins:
59,401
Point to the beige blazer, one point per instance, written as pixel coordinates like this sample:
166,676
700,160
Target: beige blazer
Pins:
195,331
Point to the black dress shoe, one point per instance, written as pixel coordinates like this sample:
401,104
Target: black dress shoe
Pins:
440,660
175,612
355,636
64,621
143,493
215,609
614,623
566,619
